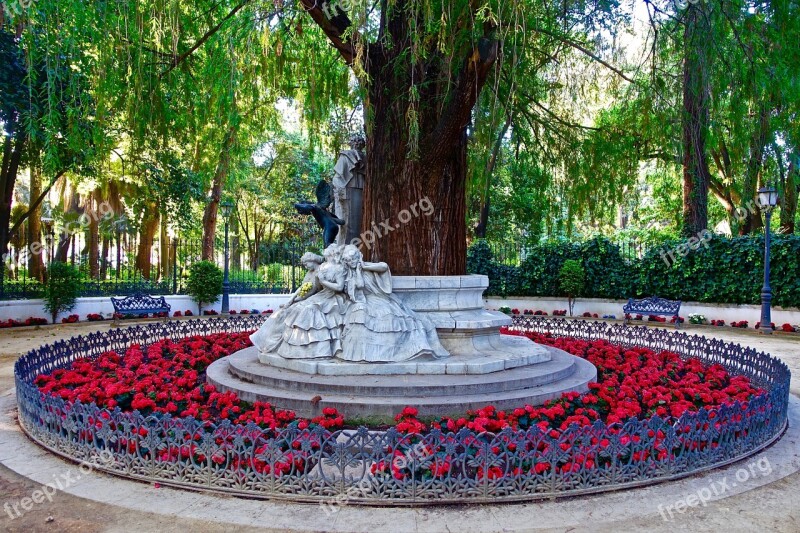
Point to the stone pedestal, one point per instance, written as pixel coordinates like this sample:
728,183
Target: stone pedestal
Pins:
484,366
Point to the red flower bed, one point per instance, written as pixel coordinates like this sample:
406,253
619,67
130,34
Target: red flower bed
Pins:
30,321
168,378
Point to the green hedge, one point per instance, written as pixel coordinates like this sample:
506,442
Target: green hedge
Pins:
721,270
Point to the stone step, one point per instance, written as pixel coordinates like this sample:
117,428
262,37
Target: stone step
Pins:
246,366
455,403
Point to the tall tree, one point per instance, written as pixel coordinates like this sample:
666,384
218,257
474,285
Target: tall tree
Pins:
695,119
419,94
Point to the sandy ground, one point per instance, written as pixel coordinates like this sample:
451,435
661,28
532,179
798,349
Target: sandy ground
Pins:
775,507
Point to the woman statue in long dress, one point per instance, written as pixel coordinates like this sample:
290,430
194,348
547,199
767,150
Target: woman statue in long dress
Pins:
378,327
309,325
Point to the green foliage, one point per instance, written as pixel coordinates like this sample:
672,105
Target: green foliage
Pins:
274,273
726,270
62,288
205,283
571,278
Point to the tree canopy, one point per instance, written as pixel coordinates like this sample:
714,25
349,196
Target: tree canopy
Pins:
520,120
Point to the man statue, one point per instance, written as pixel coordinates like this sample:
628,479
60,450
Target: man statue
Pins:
348,189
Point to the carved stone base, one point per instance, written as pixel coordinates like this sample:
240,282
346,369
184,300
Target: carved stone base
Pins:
386,395
484,366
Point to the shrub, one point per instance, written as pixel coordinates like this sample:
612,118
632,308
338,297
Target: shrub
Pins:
205,283
571,280
723,270
62,288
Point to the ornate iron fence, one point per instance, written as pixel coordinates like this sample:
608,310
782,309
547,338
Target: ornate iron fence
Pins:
126,265
389,468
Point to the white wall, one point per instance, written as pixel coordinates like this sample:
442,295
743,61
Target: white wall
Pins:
727,312
22,309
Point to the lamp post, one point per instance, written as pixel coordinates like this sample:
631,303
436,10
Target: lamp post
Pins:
227,209
768,199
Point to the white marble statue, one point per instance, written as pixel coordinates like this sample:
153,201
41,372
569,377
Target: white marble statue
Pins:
309,325
348,189
345,309
378,327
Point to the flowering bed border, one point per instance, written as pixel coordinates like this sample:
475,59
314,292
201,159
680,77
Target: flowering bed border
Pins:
337,467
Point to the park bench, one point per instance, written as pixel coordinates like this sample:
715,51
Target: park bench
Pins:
653,306
139,304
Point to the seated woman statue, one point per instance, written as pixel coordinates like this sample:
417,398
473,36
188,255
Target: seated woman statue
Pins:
309,325
378,327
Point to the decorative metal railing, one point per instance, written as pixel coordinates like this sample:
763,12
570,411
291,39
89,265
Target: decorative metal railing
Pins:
389,468
129,266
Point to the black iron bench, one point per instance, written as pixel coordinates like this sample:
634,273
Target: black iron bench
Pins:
138,305
653,306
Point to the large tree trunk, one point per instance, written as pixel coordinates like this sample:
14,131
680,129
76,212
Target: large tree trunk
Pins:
35,261
65,238
94,234
104,258
407,172
424,245
696,176
146,235
13,147
421,196
212,208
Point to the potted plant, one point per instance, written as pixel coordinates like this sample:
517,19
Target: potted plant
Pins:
571,279
204,284
62,288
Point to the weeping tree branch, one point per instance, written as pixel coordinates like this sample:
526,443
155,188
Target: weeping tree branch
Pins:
178,59
581,48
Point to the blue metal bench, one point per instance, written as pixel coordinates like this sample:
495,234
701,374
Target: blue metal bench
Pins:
653,306
138,305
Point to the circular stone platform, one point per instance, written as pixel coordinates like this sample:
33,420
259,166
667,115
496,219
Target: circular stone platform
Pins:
484,367
433,393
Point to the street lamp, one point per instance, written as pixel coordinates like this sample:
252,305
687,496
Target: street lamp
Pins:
227,209
767,199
